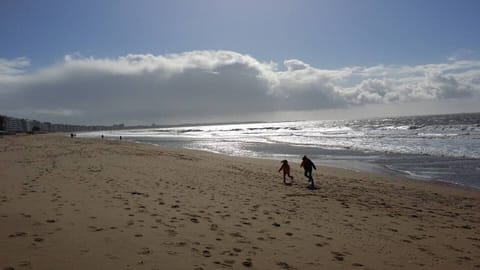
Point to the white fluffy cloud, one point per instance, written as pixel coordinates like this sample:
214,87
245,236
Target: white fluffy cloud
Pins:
143,88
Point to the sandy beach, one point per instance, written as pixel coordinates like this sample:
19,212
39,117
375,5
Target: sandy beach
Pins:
102,204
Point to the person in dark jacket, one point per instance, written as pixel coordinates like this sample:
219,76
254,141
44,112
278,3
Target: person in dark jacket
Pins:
308,165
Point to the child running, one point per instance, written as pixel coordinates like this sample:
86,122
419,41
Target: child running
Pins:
286,171
307,165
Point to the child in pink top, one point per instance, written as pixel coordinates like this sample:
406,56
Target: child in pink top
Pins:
286,170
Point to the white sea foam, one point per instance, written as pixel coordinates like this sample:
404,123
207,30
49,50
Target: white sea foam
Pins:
424,136
444,147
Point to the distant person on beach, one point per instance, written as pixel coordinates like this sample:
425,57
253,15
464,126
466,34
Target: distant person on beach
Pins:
120,138
286,170
102,136
307,165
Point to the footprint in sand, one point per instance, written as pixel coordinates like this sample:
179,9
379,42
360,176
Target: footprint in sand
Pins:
338,256
247,263
236,234
171,232
25,264
38,239
144,251
213,227
18,234
206,253
194,220
285,265
229,262
228,253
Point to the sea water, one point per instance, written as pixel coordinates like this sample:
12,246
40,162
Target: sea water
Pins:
439,147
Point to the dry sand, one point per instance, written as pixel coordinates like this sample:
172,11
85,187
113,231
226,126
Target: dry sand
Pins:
97,204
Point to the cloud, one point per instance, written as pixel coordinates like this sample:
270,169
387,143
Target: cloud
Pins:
384,84
294,64
464,54
13,67
10,69
203,84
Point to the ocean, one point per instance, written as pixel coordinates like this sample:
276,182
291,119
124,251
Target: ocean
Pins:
442,148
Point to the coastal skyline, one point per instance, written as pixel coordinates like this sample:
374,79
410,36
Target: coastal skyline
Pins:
209,61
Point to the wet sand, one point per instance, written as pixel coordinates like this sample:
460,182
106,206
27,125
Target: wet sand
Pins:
99,204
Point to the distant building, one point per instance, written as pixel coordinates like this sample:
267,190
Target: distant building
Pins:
2,123
13,125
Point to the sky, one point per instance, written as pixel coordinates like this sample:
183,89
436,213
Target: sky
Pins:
141,62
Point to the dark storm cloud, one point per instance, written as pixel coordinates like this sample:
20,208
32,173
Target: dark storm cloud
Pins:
208,83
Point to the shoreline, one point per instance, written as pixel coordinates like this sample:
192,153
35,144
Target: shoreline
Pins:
461,172
89,203
388,174
366,167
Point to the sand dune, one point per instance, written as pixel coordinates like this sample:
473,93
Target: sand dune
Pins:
98,204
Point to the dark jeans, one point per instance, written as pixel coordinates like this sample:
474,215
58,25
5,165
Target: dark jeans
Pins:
308,174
